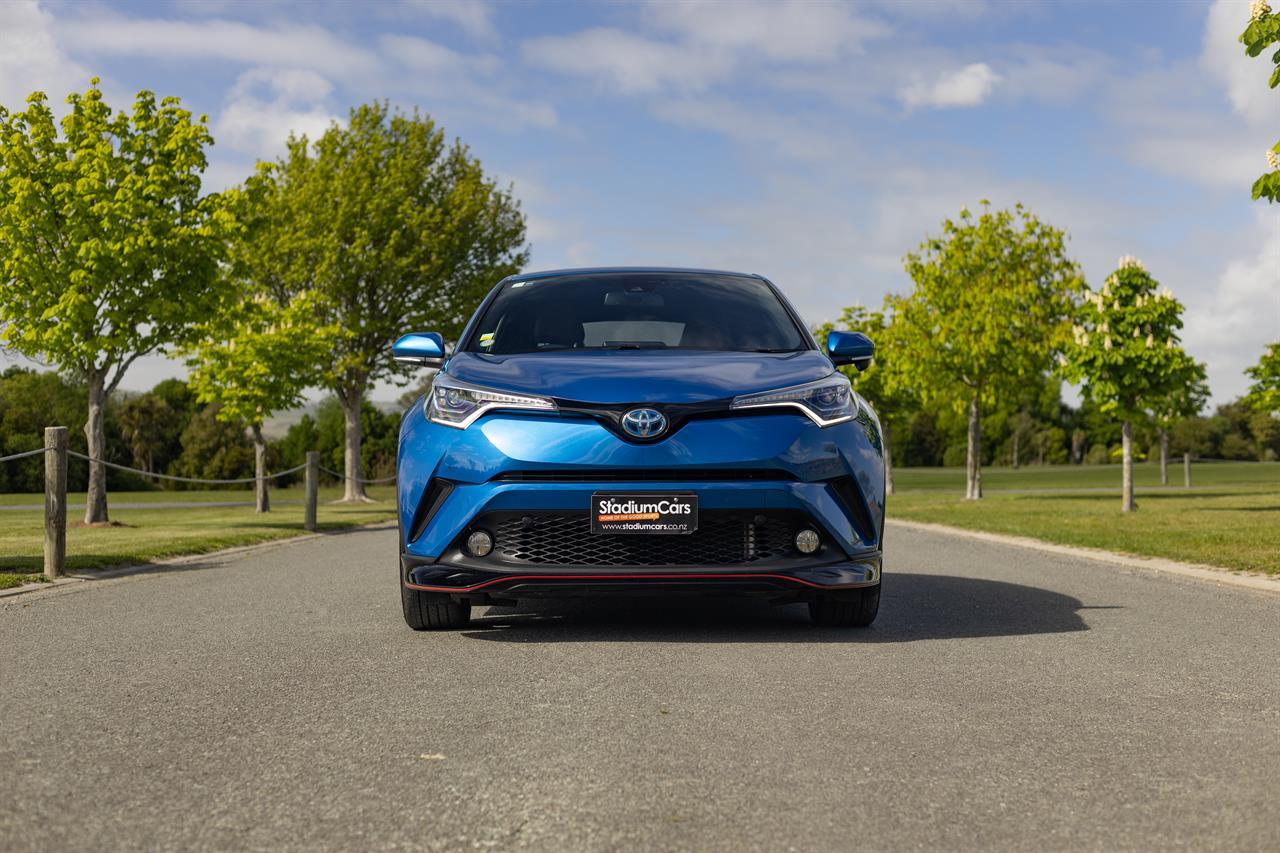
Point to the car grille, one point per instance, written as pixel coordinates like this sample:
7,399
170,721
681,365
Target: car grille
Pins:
722,539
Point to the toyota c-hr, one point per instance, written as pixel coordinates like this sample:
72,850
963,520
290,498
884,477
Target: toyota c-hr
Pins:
648,431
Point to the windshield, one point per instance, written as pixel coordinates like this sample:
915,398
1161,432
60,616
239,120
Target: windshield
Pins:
701,311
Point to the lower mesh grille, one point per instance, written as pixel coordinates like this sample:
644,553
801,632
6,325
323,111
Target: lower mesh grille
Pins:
722,539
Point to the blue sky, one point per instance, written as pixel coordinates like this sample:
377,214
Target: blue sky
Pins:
815,143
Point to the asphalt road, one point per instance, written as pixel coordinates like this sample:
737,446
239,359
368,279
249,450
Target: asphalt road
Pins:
1005,699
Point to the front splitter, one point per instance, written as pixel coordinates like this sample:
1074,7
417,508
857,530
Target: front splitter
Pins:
439,577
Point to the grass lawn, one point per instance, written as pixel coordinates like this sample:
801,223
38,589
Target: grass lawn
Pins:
244,493
148,534
1230,518
1091,476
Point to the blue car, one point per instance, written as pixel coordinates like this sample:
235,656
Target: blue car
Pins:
639,431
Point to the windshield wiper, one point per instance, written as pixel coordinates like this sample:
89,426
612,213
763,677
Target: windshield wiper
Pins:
633,345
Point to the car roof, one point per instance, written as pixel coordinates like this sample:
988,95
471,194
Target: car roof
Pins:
579,271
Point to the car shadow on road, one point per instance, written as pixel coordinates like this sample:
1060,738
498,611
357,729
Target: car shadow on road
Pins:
913,607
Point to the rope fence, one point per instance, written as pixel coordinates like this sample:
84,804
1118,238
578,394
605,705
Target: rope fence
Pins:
56,455
240,481
359,479
243,481
35,452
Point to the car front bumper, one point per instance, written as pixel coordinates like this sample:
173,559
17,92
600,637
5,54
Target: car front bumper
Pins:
558,581
766,472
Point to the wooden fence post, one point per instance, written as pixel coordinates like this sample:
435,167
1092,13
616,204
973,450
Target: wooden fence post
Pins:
261,498
313,488
1186,470
55,501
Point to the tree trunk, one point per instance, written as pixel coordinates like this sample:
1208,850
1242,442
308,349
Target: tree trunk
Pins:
262,503
1164,458
95,504
1186,470
888,463
973,462
1017,441
354,491
1126,483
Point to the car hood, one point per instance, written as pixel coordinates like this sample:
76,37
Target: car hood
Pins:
639,376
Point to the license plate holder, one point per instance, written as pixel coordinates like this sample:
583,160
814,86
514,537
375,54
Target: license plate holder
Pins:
644,513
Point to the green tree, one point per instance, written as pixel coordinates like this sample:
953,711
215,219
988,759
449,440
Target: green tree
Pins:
1264,393
144,425
256,359
1185,400
326,433
214,448
893,400
29,402
1261,33
1126,350
990,310
395,230
1265,428
107,248
181,400
292,448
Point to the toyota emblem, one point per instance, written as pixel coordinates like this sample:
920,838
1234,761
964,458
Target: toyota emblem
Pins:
644,423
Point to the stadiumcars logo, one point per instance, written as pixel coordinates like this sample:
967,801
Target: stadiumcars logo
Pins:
646,512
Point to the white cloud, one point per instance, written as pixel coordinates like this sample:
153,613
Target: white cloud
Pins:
426,57
267,104
630,63
1207,152
801,138
1052,73
783,30
948,10
707,43
964,87
1229,324
468,80
474,17
30,57
1181,119
286,84
296,45
1244,77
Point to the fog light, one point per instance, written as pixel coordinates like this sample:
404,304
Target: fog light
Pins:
807,541
480,544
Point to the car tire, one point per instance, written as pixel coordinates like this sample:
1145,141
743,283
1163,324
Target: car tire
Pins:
433,611
855,609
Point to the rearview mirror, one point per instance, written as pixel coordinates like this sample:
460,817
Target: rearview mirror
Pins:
850,348
421,348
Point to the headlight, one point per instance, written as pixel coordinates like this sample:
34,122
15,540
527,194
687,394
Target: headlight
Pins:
827,402
458,404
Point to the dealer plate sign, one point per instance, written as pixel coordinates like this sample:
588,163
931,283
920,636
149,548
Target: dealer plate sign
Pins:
646,512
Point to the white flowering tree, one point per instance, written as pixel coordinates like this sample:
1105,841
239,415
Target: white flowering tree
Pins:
1262,32
1127,353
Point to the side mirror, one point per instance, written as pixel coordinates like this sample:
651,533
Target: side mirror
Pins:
850,348
422,348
